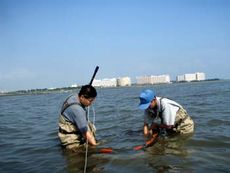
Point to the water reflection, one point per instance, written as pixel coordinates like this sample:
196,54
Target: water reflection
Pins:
170,145
168,154
76,160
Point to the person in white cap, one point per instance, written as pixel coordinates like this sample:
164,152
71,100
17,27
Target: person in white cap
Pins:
173,117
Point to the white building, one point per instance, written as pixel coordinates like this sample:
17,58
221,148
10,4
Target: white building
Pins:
191,77
105,82
124,81
143,80
74,85
180,78
159,79
153,79
200,76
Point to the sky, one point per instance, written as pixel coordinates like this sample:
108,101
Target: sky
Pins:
57,43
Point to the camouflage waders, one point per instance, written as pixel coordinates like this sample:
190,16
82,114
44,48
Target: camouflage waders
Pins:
184,124
70,136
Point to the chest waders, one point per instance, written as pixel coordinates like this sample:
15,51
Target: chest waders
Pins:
183,122
69,134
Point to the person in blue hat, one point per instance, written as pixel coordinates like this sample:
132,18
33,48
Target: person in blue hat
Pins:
173,118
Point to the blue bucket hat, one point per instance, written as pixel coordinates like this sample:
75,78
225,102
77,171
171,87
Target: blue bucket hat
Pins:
146,97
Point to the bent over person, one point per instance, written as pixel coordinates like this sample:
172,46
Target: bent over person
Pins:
173,118
74,127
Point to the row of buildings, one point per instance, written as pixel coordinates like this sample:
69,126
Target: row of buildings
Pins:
191,77
113,82
142,80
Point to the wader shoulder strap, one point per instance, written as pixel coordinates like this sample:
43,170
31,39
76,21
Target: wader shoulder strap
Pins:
161,110
66,104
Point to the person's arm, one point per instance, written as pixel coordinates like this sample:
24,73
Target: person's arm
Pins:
146,130
152,140
89,136
148,143
82,124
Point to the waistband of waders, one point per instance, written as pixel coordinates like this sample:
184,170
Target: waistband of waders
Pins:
65,132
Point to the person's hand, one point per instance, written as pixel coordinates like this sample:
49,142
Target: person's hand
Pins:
98,143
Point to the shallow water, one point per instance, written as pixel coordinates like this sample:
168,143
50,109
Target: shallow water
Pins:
29,143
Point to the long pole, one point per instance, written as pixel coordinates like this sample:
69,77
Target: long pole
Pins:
94,74
86,149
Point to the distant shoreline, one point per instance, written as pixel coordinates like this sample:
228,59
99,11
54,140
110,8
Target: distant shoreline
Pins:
68,89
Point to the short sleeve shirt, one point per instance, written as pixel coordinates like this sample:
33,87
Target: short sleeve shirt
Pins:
76,114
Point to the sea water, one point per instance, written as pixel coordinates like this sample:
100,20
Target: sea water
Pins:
29,126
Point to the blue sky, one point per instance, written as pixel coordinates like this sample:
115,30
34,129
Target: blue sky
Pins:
56,43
